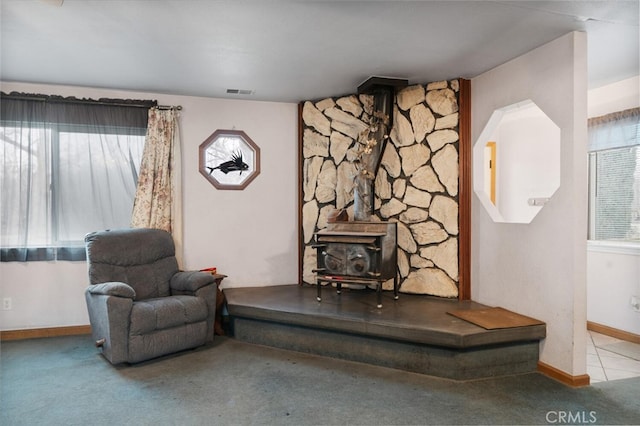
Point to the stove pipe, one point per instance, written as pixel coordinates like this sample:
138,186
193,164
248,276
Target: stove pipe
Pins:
383,91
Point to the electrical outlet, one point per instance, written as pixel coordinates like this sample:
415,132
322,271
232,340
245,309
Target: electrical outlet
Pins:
635,303
7,304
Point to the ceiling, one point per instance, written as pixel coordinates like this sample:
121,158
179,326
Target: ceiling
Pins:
288,51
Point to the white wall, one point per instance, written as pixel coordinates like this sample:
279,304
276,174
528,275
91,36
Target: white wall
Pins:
250,235
614,97
613,272
530,143
539,269
613,276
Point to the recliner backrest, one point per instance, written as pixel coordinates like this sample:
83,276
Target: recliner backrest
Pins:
140,257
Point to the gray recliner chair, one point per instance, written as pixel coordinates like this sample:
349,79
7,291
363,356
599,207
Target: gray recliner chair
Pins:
140,305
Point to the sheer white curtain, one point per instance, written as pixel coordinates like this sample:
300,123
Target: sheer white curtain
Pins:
158,196
67,168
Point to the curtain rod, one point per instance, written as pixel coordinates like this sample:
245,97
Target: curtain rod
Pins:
176,107
614,116
102,101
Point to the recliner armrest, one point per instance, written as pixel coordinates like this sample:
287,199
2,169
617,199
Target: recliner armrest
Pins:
190,280
113,288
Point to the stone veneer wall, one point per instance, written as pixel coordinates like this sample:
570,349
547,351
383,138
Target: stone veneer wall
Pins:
416,185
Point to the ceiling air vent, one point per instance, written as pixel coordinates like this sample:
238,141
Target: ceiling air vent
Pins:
239,92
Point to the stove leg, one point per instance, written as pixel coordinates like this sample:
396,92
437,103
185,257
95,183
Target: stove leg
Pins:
319,296
395,288
338,288
379,294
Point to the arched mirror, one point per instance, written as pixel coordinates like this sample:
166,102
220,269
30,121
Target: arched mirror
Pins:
516,162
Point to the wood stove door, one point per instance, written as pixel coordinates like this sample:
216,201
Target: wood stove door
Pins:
348,259
360,261
331,258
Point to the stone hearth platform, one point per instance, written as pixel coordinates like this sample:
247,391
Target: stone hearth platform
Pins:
413,333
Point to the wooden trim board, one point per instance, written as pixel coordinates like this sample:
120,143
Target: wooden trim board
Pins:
562,377
36,333
300,160
495,318
613,332
465,192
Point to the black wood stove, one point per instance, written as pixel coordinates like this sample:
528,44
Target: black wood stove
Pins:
357,253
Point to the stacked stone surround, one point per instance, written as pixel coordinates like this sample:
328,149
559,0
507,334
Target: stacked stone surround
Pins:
416,185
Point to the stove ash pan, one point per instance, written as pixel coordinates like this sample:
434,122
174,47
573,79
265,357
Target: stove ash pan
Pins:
357,253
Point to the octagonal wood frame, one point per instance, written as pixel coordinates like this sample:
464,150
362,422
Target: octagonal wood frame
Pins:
254,169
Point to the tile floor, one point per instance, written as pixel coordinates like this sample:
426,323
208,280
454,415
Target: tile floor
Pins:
604,365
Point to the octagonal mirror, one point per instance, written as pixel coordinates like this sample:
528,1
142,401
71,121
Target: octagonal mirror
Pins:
229,159
516,162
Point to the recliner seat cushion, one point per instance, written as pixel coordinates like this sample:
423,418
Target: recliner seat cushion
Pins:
166,312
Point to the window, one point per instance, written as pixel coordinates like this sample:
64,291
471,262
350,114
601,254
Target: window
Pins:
67,169
614,177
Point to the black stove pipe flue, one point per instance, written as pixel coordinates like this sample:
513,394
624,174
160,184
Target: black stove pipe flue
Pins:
383,90
374,140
